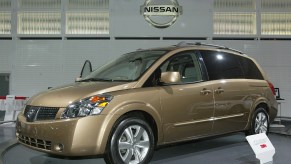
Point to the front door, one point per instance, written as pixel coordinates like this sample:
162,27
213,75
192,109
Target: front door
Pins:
187,107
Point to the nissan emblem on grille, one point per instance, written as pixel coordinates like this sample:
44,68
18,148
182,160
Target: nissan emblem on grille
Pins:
31,113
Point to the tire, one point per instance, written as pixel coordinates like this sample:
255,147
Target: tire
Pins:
260,122
132,142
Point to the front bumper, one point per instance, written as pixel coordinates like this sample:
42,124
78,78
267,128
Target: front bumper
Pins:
66,137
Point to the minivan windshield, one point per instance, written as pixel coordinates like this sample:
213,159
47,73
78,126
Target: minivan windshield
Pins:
129,67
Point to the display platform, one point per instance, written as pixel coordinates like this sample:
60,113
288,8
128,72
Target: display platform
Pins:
232,149
285,129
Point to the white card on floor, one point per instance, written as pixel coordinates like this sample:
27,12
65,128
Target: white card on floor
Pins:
262,147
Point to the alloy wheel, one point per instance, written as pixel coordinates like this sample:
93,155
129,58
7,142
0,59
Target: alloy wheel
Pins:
133,144
261,123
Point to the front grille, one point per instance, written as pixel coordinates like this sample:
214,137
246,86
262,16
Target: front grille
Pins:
47,113
33,113
42,144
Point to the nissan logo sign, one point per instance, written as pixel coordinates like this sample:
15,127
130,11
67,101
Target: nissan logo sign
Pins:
161,13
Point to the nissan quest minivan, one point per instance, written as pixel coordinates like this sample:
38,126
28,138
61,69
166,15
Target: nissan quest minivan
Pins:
149,98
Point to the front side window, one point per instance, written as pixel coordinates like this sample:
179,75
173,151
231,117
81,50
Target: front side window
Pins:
221,65
128,67
186,64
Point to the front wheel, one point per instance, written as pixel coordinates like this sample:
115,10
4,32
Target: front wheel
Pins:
132,142
260,122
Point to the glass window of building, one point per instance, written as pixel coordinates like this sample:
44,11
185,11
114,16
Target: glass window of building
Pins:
39,17
276,17
87,17
234,17
5,17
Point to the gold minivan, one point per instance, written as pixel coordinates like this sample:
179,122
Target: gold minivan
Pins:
148,98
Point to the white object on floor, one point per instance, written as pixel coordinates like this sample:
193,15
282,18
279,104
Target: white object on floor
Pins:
262,147
277,126
10,99
7,124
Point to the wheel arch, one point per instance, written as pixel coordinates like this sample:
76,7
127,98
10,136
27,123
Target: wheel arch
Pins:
140,114
122,122
264,105
259,103
149,114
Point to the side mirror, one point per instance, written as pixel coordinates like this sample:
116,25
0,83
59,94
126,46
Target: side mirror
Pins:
86,70
171,77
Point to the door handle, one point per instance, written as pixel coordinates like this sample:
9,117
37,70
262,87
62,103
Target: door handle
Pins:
205,91
219,90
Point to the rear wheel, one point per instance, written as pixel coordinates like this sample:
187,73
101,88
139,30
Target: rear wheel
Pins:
260,122
132,142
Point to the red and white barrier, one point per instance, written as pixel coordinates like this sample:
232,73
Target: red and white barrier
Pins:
2,103
12,105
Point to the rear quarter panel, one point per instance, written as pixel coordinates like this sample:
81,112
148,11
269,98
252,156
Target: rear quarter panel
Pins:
261,93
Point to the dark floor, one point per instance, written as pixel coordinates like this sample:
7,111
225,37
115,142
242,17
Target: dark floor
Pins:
7,132
231,149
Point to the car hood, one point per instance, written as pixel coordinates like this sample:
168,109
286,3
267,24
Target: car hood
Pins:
65,95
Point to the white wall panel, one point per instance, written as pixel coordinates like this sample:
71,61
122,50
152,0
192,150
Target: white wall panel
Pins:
73,57
36,66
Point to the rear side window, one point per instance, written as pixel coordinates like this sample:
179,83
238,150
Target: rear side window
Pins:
221,65
250,69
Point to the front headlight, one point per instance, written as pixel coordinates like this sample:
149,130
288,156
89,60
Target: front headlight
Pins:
88,106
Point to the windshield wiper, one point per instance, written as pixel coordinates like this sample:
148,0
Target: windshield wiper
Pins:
95,79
